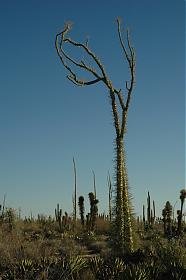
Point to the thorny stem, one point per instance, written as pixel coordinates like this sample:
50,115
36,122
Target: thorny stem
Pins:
123,215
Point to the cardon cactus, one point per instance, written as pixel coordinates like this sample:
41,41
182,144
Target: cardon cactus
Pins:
93,210
81,209
58,215
180,213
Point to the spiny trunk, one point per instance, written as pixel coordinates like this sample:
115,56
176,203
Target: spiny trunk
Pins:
123,226
123,211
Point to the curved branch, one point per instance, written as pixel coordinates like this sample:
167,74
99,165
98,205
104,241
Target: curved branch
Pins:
68,62
59,41
81,82
89,52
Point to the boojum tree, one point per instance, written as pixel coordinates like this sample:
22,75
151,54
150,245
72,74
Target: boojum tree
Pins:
123,233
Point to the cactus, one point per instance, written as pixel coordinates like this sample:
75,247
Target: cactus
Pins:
167,220
151,213
93,210
168,208
180,213
92,215
58,215
148,210
81,209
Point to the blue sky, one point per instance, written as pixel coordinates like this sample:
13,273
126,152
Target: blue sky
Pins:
45,120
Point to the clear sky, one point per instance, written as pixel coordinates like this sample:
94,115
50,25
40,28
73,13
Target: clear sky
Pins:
45,120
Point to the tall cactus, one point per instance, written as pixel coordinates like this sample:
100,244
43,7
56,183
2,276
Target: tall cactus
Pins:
93,210
58,215
81,209
167,218
148,210
151,213
122,231
180,213
168,208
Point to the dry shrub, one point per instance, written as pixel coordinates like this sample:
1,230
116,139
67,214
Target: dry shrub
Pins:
102,226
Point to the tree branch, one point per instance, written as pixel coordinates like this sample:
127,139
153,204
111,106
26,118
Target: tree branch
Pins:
121,41
68,62
120,97
95,58
130,57
59,41
81,82
115,113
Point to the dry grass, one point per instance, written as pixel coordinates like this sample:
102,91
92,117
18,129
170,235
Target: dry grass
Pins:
35,246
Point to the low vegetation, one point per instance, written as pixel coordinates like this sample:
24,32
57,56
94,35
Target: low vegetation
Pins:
61,247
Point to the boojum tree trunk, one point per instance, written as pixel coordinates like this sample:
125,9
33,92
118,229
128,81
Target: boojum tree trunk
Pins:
123,235
123,224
